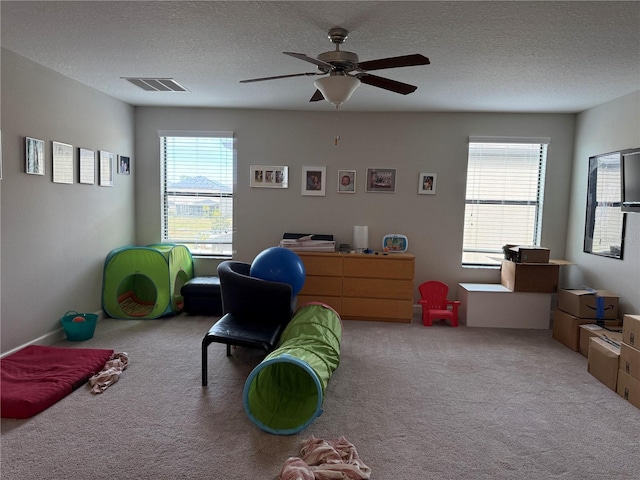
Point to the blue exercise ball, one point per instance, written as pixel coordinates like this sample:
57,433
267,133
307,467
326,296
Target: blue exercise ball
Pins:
278,264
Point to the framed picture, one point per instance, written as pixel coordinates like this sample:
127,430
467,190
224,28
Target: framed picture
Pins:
62,164
346,181
381,180
34,156
269,176
106,168
87,166
427,183
314,181
124,165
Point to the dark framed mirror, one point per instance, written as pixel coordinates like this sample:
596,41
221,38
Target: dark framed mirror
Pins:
605,221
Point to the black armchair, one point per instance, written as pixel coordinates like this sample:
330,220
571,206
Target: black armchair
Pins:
255,311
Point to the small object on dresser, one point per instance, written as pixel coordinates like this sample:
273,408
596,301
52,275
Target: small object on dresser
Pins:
395,243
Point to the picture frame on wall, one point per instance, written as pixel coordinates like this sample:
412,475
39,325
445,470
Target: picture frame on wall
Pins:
87,163
62,162
346,181
427,183
34,156
382,180
124,165
107,160
314,180
269,176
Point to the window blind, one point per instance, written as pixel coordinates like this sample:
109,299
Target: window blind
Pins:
197,191
504,197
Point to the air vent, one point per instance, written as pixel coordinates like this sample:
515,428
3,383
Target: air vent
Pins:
156,84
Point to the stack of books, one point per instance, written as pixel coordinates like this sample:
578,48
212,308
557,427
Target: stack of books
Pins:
308,243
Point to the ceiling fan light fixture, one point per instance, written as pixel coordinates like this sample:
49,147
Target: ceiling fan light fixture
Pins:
337,89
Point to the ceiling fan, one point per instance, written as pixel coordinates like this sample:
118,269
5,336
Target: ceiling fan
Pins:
346,72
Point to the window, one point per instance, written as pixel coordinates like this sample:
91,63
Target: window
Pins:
504,197
197,191
605,221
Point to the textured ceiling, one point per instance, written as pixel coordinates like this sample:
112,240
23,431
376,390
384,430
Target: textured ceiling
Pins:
485,56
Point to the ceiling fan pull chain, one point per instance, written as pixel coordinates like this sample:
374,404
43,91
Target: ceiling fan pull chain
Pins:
337,139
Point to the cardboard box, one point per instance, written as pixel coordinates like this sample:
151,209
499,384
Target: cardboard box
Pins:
589,303
566,328
529,277
527,254
631,330
603,361
590,330
629,388
630,360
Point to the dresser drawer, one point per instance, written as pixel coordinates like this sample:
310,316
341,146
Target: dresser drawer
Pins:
378,267
333,302
377,288
327,265
316,285
377,309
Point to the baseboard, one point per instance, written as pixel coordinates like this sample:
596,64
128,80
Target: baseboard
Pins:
48,339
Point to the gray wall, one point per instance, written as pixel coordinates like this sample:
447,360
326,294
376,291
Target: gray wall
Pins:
55,236
606,128
411,143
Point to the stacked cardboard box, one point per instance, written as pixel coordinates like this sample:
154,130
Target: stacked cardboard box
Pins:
628,385
527,269
591,330
603,360
526,254
579,307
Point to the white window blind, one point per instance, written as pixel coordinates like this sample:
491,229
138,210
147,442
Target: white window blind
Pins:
504,196
197,191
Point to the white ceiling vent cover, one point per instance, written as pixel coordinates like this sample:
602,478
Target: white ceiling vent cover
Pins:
156,84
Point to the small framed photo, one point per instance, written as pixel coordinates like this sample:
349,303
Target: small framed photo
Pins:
269,176
314,181
346,181
34,156
87,160
62,164
107,160
381,180
124,165
427,183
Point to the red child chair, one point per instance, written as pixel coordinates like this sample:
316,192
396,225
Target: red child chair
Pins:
435,305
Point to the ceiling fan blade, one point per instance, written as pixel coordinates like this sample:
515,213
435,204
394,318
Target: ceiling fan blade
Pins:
317,96
394,62
386,83
307,58
308,74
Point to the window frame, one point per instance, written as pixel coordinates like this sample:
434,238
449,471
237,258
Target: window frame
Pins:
479,257
222,247
598,227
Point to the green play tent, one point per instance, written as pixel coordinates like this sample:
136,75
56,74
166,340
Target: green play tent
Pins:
145,282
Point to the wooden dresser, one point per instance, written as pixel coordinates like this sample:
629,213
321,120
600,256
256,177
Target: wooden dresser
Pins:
361,286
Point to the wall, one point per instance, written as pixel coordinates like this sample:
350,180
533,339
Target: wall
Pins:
55,237
411,143
606,128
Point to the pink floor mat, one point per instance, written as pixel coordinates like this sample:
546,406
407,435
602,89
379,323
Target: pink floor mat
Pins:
36,377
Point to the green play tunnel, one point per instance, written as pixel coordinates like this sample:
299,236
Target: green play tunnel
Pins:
284,393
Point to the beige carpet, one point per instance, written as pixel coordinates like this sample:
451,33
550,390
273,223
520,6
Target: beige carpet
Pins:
418,403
